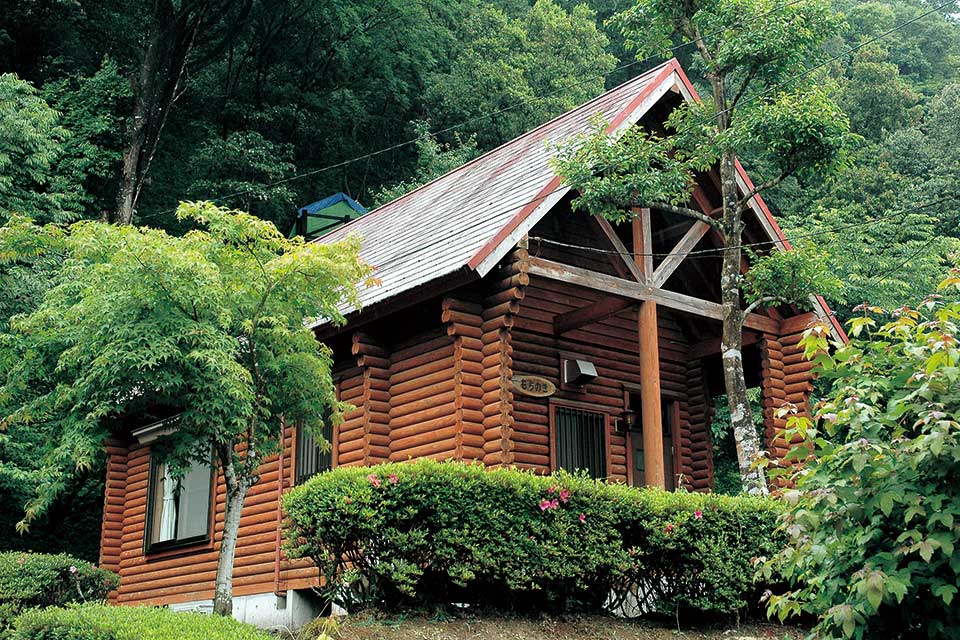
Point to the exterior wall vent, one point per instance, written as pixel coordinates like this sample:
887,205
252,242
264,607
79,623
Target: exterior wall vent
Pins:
578,372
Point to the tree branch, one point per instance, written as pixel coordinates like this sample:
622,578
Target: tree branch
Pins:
685,211
761,301
769,184
743,87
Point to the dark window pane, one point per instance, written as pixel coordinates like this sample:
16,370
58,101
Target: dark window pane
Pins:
311,459
580,441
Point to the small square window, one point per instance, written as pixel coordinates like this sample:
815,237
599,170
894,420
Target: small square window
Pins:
178,509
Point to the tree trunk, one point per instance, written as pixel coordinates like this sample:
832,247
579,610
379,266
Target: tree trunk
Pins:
236,494
143,110
741,418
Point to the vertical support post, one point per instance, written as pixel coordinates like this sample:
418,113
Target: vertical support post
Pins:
643,242
650,396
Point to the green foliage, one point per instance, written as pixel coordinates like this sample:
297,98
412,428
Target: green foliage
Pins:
91,109
788,277
876,98
548,61
874,543
29,580
101,622
210,324
247,166
30,142
433,533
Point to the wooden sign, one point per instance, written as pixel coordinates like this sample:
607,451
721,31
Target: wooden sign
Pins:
535,386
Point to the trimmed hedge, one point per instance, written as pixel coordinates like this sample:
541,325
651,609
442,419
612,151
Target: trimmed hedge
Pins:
48,580
102,622
426,533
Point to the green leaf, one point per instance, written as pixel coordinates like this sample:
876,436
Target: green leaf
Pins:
946,592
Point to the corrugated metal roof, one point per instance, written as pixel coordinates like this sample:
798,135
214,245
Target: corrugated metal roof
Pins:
464,219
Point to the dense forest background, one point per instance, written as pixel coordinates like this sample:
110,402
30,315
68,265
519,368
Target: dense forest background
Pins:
117,110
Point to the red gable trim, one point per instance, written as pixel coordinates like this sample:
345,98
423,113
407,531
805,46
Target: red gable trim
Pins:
555,183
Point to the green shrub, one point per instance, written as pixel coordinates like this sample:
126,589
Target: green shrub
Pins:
874,529
428,533
102,622
43,580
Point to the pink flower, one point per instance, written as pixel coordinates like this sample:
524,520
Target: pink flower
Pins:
551,490
668,529
374,480
697,514
564,495
392,478
583,518
548,504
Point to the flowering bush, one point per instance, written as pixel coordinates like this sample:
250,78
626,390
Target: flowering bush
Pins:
429,533
47,580
874,529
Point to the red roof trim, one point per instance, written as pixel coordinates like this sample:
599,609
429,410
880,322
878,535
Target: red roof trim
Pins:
554,183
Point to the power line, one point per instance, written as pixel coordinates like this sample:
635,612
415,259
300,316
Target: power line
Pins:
482,116
715,250
542,197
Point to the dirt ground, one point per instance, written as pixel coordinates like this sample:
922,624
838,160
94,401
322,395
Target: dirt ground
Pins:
367,627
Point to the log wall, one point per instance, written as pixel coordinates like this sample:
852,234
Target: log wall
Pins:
613,346
786,379
183,575
443,389
114,504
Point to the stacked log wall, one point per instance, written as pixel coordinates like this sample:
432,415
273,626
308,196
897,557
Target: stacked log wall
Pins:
363,437
787,379
504,292
114,501
188,574
696,444
423,397
465,326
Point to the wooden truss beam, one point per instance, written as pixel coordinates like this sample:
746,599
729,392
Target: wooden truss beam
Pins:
618,245
679,253
595,312
637,291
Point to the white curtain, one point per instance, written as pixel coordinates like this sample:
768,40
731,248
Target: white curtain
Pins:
168,514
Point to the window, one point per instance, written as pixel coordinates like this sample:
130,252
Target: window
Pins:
178,509
579,440
310,458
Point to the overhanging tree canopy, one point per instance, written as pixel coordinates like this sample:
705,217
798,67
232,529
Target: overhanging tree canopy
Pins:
210,325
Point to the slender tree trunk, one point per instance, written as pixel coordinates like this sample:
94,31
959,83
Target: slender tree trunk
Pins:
741,418
143,110
236,493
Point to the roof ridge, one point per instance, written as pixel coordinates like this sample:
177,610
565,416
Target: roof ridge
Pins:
366,217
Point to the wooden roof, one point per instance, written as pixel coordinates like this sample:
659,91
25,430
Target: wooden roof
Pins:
469,218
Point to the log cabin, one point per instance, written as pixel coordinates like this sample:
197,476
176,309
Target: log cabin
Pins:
506,329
